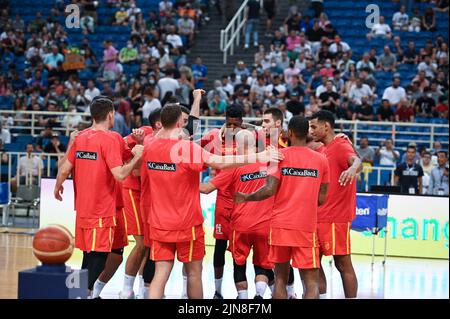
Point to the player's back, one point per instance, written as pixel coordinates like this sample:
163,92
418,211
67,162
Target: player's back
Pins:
172,172
94,154
300,173
340,202
250,216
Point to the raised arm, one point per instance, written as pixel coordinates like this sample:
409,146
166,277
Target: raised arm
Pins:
268,190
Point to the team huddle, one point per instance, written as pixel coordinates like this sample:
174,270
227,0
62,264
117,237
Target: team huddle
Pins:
288,197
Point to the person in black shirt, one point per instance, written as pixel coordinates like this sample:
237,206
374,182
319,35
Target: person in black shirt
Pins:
252,14
294,105
278,41
363,112
329,100
55,146
408,175
316,33
385,112
243,88
293,22
425,105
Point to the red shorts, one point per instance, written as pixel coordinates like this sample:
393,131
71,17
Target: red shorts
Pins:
120,239
95,234
242,243
186,252
222,226
133,216
302,257
334,238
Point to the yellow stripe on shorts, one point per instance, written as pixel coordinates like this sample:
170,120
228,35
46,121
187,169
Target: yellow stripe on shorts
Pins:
94,235
135,212
348,238
333,234
191,250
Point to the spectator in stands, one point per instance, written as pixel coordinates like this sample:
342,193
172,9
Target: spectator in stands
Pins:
405,112
327,69
5,135
121,17
429,20
278,42
120,125
442,108
128,54
271,8
365,63
410,54
365,152
30,169
173,38
409,175
428,66
425,106
405,155
44,138
110,69
329,100
400,20
252,12
421,79
439,176
72,121
358,92
388,155
364,112
51,59
290,72
281,105
339,46
186,28
427,167
218,89
217,106
37,24
380,30
317,7
395,93
442,6
258,90
415,21
55,146
387,61
168,84
292,22
315,35
338,82
91,91
200,73
151,104
5,86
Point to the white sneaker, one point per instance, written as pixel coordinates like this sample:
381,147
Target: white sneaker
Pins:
124,296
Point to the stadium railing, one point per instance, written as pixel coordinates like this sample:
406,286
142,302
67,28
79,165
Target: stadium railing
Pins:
27,122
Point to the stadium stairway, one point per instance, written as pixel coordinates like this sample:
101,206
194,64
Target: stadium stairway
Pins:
207,43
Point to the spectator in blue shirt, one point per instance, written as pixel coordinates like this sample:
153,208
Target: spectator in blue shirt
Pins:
51,59
199,72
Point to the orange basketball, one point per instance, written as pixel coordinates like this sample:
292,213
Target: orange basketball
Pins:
53,244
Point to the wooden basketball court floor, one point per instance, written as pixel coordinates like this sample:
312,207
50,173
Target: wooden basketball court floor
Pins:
399,278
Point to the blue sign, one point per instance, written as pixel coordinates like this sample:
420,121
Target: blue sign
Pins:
371,213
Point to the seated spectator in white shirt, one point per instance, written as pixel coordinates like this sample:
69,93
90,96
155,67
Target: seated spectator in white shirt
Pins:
400,20
365,63
428,66
91,91
5,135
173,38
358,91
395,93
380,30
338,44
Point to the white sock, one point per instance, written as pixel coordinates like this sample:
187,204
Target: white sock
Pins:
261,287
218,283
98,287
141,287
185,280
272,288
242,294
290,290
323,296
128,283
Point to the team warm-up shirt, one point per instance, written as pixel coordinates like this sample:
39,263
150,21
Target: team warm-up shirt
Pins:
213,143
300,175
172,170
93,155
126,156
248,216
132,181
340,204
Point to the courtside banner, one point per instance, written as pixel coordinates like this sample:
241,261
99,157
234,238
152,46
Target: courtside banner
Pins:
371,212
417,226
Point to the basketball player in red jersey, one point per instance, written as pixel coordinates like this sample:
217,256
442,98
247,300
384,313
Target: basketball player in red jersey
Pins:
221,142
96,160
249,221
170,160
303,176
336,215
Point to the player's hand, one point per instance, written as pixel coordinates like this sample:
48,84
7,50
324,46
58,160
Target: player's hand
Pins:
58,192
74,135
137,151
139,136
347,176
271,154
197,94
240,198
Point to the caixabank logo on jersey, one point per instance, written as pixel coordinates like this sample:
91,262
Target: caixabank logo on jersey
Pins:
300,172
169,167
253,176
92,156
